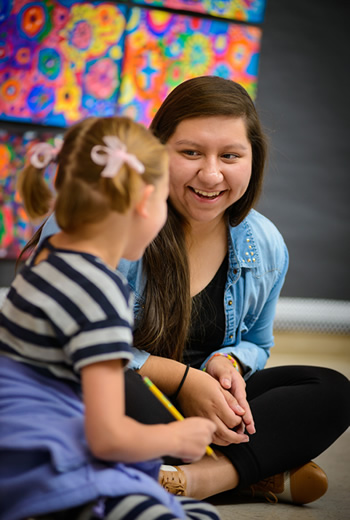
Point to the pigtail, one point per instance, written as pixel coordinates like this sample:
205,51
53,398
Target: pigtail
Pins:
32,187
35,192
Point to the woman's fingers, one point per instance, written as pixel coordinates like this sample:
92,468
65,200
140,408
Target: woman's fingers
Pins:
203,396
223,436
234,388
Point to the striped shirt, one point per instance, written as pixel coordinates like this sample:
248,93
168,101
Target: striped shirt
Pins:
67,312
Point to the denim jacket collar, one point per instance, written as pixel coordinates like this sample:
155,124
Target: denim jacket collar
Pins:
242,250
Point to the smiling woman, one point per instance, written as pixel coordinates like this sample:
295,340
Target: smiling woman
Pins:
206,293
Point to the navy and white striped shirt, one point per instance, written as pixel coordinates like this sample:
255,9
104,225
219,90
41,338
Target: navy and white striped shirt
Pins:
66,312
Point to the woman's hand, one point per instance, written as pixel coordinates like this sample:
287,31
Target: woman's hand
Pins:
222,369
189,438
202,395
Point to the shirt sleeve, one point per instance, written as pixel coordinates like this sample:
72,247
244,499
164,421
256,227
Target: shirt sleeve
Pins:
139,359
105,341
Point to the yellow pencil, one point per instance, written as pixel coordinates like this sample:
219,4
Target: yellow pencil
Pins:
174,412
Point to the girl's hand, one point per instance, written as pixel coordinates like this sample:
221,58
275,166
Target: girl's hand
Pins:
113,436
202,395
189,438
222,369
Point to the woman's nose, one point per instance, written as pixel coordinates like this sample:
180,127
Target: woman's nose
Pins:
210,174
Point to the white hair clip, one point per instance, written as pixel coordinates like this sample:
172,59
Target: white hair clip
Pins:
113,156
41,154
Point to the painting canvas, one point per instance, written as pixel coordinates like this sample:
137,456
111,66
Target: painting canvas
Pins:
163,49
243,10
60,60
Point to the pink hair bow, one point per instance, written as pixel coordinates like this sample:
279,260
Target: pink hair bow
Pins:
42,154
113,156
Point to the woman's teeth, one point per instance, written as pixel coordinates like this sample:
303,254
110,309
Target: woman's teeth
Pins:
207,194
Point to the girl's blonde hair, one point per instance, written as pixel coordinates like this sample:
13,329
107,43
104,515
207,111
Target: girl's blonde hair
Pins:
83,195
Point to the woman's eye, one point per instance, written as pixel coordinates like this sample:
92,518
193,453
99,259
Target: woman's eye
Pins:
230,156
192,153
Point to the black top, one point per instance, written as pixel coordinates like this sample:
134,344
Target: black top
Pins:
207,320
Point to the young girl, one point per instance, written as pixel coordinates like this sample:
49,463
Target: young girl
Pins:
66,444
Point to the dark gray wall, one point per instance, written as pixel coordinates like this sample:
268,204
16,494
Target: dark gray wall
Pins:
303,99
7,272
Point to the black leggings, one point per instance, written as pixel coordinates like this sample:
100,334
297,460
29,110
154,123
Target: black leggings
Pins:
299,411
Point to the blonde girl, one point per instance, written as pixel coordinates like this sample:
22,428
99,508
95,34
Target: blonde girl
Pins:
66,445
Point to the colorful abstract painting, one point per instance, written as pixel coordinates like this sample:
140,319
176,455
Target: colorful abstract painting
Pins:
243,10
163,49
15,227
60,60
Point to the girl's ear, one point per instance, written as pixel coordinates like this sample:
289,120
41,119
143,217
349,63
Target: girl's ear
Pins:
142,206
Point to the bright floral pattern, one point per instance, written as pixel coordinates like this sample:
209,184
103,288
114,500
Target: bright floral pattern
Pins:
163,49
48,48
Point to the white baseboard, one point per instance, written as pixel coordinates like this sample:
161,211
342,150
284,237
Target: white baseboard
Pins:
313,315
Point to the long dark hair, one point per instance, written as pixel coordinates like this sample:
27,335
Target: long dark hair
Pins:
163,327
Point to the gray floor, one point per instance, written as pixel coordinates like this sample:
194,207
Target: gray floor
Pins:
335,504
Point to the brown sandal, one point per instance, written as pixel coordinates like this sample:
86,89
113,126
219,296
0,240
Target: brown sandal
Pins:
173,479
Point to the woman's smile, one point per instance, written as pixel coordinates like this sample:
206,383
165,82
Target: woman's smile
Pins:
210,166
207,196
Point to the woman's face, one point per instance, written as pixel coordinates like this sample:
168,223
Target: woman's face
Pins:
210,166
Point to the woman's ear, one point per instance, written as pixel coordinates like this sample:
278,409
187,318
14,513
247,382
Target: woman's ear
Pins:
142,206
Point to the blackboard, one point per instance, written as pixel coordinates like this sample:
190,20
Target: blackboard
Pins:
304,101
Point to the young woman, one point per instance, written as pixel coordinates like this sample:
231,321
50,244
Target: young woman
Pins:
206,292
66,445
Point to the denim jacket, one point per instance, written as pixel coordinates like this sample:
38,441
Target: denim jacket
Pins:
258,262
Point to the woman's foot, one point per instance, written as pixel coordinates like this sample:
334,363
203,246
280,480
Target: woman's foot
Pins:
301,485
